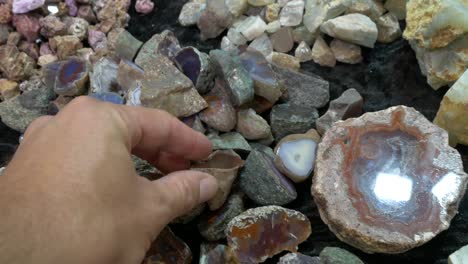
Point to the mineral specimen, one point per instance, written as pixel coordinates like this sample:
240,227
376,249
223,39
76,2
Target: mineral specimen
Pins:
239,83
286,119
263,232
103,78
109,97
212,226
197,66
130,75
144,6
295,155
8,89
97,39
354,28
453,110
252,27
396,7
436,24
233,140
459,257
214,19
317,12
272,12
371,8
27,25
334,255
14,64
24,6
190,13
215,254
251,125
389,28
282,40
77,27
262,44
52,26
168,249
298,258
322,54
284,61
224,166
165,87
303,52
292,12
348,105
388,181
220,113
301,33
274,26
263,183
124,44
72,78
237,7
160,44
65,46
346,52
86,12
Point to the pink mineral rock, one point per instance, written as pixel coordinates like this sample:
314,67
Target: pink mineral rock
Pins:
27,25
97,39
24,6
72,7
144,6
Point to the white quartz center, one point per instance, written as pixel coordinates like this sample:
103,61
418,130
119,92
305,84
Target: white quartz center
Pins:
298,156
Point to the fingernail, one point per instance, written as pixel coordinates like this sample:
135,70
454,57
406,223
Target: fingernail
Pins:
208,189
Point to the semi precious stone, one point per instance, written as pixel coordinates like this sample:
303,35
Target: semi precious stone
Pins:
285,61
282,40
190,13
252,27
265,80
165,87
228,45
334,255
396,7
303,52
459,257
223,165
263,183
103,78
354,28
262,44
388,181
8,89
168,248
303,90
322,54
263,232
109,97
292,12
233,140
445,65
214,254
236,37
72,78
348,105
212,226
239,83
272,27
452,112
298,258
317,12
260,2
295,155
237,7
346,52
220,114
27,25
287,119
144,6
389,28
436,24
197,66
24,6
20,111
251,125
214,19
272,12
160,44
14,64
50,72
125,45
65,46
129,75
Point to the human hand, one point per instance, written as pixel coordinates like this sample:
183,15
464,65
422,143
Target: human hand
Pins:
71,193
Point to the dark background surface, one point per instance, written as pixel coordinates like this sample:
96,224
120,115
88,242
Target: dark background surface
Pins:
388,76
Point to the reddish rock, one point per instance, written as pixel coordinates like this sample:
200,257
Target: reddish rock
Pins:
144,6
263,232
168,249
5,13
388,181
27,25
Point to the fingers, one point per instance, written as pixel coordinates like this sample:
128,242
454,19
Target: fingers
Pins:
180,192
167,163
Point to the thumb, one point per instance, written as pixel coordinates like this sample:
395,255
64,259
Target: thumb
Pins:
182,191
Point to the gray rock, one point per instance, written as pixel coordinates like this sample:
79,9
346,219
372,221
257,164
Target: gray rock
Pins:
263,183
262,148
287,119
190,13
4,32
298,258
214,19
251,125
233,140
160,44
19,112
334,255
304,90
349,104
103,78
283,40
229,67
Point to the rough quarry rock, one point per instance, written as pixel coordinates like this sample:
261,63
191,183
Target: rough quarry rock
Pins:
303,52
233,140
389,28
165,44
322,54
388,181
197,66
286,119
263,232
282,40
292,13
252,27
214,19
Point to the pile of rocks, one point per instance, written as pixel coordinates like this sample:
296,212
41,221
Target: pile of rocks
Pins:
273,27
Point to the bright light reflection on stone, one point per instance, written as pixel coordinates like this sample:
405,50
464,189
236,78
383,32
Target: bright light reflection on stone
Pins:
443,190
393,188
53,9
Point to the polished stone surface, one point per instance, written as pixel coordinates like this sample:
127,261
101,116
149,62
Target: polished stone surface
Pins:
388,181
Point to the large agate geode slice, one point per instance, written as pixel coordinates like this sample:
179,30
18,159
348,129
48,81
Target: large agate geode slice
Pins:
388,181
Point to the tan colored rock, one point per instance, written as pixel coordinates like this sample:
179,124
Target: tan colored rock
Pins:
453,110
346,52
389,28
272,12
322,54
283,40
284,61
46,59
274,26
65,46
252,126
8,89
14,64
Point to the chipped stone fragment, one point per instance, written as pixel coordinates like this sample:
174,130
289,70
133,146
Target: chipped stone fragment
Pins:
286,119
190,13
371,8
168,248
236,37
298,258
346,52
14,64
237,7
322,54
165,44
77,27
52,26
285,61
197,67
354,28
228,45
303,52
214,19
282,40
272,12
103,77
24,6
220,114
233,140
260,2
262,44
27,25
252,27
334,255
65,46
389,28
292,13
125,45
86,12
251,125
301,33
317,12
273,27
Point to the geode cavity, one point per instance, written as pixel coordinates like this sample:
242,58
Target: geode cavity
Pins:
388,181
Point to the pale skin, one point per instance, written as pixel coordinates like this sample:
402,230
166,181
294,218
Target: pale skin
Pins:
71,193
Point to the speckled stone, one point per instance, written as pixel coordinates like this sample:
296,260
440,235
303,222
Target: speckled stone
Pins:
388,181
129,76
272,12
263,183
14,64
8,89
334,255
286,119
298,258
65,46
263,232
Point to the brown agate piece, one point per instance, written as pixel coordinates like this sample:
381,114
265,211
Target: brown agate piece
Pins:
388,181
263,232
224,166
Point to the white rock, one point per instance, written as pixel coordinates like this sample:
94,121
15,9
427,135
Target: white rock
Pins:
459,257
354,28
236,37
237,7
292,13
252,27
389,28
318,11
263,45
303,52
190,13
282,3
273,26
227,44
